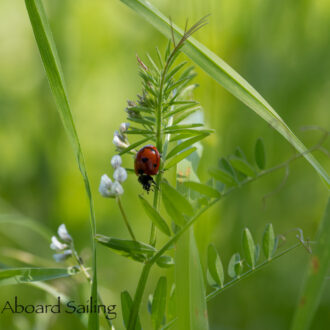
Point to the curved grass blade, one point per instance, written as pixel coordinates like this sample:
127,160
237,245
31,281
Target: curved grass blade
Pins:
27,275
225,76
20,220
48,52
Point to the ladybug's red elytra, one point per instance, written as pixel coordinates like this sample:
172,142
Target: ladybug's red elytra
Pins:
146,164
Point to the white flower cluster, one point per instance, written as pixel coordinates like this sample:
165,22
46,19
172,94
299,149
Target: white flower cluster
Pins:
58,246
108,188
120,138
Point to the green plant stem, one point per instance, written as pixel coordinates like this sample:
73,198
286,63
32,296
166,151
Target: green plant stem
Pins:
249,272
138,296
125,217
89,279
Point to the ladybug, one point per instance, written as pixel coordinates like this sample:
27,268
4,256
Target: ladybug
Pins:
146,164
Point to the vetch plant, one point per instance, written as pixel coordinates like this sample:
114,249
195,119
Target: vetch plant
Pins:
166,118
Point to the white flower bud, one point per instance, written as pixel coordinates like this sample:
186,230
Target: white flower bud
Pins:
124,127
117,189
63,233
105,186
57,245
119,143
62,256
120,174
116,161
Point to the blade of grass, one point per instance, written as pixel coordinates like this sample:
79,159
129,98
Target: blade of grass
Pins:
315,276
48,52
189,280
226,76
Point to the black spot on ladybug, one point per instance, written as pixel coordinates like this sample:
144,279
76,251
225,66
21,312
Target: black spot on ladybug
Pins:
140,171
144,159
155,165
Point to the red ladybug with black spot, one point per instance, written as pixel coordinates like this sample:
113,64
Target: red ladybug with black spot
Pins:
147,162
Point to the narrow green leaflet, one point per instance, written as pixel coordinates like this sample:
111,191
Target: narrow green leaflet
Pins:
155,217
48,52
234,266
176,216
203,189
127,248
239,153
185,144
260,154
242,166
222,176
226,76
215,273
26,275
177,158
316,276
134,145
268,241
159,303
126,306
177,199
249,248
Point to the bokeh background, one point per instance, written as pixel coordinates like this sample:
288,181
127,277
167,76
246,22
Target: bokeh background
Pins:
281,47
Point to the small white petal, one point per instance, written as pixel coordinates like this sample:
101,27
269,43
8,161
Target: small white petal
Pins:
62,256
105,186
116,161
64,234
57,245
124,127
117,189
119,143
120,174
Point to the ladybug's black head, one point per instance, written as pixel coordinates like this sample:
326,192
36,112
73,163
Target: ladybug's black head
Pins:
147,181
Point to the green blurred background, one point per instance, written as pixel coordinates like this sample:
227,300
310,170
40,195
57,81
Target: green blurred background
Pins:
281,47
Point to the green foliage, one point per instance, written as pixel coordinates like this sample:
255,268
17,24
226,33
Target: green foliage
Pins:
155,217
249,248
126,306
215,273
236,265
11,276
268,241
132,249
226,76
49,56
159,303
260,154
